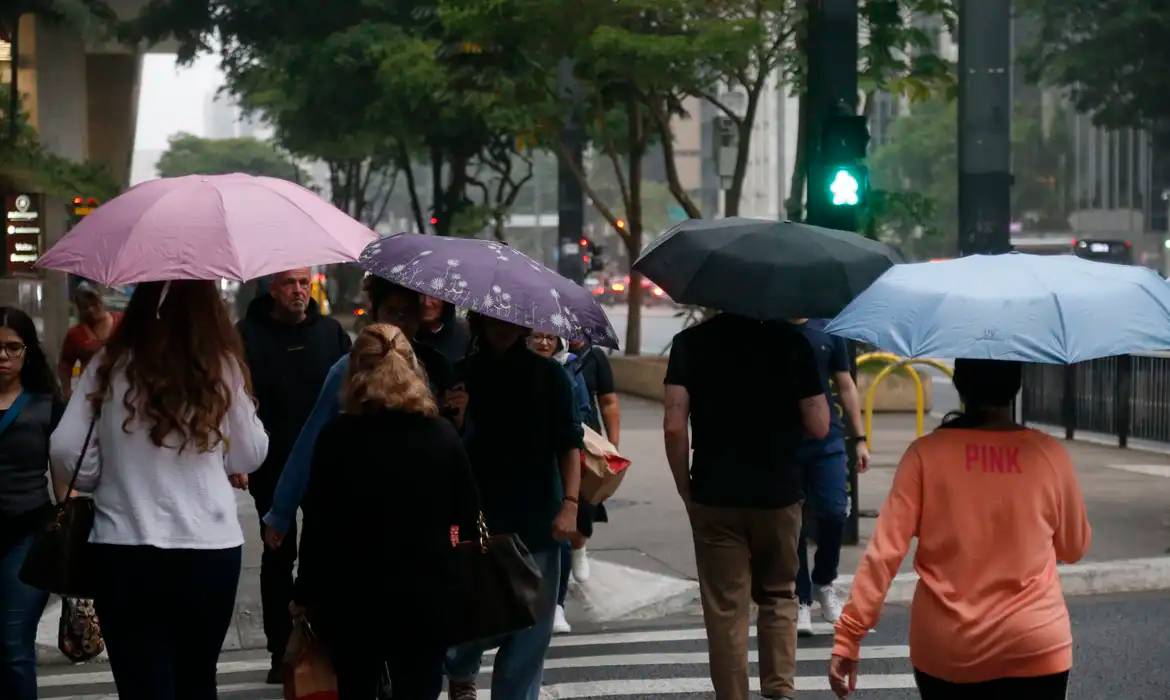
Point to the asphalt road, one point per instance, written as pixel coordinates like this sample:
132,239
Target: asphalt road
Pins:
1120,652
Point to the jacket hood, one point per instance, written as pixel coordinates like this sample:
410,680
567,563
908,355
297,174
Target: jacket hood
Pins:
260,310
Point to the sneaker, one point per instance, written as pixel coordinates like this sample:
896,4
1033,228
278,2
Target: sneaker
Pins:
830,603
580,565
804,621
560,624
461,690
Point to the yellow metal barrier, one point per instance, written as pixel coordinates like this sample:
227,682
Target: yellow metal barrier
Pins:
894,363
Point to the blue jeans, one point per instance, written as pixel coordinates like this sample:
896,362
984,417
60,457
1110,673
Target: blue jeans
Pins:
519,665
20,612
826,496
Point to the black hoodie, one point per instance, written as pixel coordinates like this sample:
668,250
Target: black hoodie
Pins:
451,339
289,364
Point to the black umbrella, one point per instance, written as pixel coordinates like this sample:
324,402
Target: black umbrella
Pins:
764,269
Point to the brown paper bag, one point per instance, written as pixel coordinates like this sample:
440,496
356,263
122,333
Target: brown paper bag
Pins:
602,468
308,671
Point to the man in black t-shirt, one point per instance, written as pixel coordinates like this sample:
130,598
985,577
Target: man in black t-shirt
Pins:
751,393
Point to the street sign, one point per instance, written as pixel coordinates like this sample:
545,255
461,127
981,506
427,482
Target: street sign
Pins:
24,233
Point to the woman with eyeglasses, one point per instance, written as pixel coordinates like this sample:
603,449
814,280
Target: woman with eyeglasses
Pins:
30,407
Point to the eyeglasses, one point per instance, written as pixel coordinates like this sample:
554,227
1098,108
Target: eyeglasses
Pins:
12,349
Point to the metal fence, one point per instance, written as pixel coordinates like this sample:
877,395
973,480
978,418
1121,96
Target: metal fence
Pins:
1127,396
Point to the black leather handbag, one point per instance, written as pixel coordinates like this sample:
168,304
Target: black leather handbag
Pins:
493,588
59,560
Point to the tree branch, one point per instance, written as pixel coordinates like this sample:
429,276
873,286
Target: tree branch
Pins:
583,181
720,106
666,136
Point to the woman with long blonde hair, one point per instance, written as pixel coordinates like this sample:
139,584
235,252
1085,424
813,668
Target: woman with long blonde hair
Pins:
164,416
389,490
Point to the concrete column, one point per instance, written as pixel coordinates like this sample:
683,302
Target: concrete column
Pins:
62,122
112,110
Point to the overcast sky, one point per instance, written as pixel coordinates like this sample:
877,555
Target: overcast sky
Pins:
171,98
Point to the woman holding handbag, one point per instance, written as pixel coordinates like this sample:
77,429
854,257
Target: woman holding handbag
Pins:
29,410
159,421
390,491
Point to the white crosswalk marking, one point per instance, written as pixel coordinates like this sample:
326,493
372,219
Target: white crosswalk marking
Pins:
644,664
1161,470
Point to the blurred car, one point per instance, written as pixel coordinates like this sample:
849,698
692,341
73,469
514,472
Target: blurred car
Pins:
617,292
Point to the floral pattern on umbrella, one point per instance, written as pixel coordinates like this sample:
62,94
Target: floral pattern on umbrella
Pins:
492,279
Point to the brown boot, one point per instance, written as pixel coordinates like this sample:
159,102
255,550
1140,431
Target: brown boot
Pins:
461,690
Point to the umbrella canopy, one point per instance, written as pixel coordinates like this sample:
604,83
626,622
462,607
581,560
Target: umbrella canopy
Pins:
492,279
1031,308
207,227
764,269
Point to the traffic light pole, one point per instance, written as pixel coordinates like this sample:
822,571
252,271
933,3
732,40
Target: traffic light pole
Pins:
832,91
570,198
985,122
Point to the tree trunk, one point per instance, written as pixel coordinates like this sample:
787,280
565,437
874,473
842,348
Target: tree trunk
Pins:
637,137
742,154
795,203
411,186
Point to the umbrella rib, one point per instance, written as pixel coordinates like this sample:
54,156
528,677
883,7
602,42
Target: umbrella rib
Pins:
142,216
1059,310
231,240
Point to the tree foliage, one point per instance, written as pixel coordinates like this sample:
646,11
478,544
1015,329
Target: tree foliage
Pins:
192,155
915,201
1112,56
27,164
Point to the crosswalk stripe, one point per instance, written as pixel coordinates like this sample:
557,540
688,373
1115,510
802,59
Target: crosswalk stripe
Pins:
685,634
681,686
700,657
95,677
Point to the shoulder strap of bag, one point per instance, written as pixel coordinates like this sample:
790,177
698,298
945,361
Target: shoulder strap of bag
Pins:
81,458
13,412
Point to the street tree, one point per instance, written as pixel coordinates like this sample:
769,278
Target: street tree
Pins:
629,62
1111,56
191,155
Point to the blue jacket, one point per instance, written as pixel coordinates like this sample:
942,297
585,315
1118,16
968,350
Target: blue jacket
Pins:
294,479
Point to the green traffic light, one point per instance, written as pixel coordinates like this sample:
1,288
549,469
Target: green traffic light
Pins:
845,188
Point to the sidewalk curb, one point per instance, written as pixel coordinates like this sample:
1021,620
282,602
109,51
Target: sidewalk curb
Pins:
1091,578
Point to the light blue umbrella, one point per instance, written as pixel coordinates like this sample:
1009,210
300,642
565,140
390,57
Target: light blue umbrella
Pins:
1032,308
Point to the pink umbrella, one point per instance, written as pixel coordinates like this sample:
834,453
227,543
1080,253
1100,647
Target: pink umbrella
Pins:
207,227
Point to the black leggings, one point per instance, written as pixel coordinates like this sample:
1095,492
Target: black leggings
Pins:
164,615
1054,687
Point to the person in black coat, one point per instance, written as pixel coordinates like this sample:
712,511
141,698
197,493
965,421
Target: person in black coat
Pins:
390,489
289,347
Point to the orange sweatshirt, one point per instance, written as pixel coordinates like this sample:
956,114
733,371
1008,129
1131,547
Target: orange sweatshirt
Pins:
993,512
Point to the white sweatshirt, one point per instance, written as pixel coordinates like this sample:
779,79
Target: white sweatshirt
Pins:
150,495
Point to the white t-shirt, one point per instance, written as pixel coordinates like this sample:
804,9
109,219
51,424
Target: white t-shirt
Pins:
150,495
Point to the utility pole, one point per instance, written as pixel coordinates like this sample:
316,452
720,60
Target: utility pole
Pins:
570,199
832,94
985,121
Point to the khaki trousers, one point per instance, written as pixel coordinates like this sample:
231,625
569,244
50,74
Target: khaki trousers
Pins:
747,555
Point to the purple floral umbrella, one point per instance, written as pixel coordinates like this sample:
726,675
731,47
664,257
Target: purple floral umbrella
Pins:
492,279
